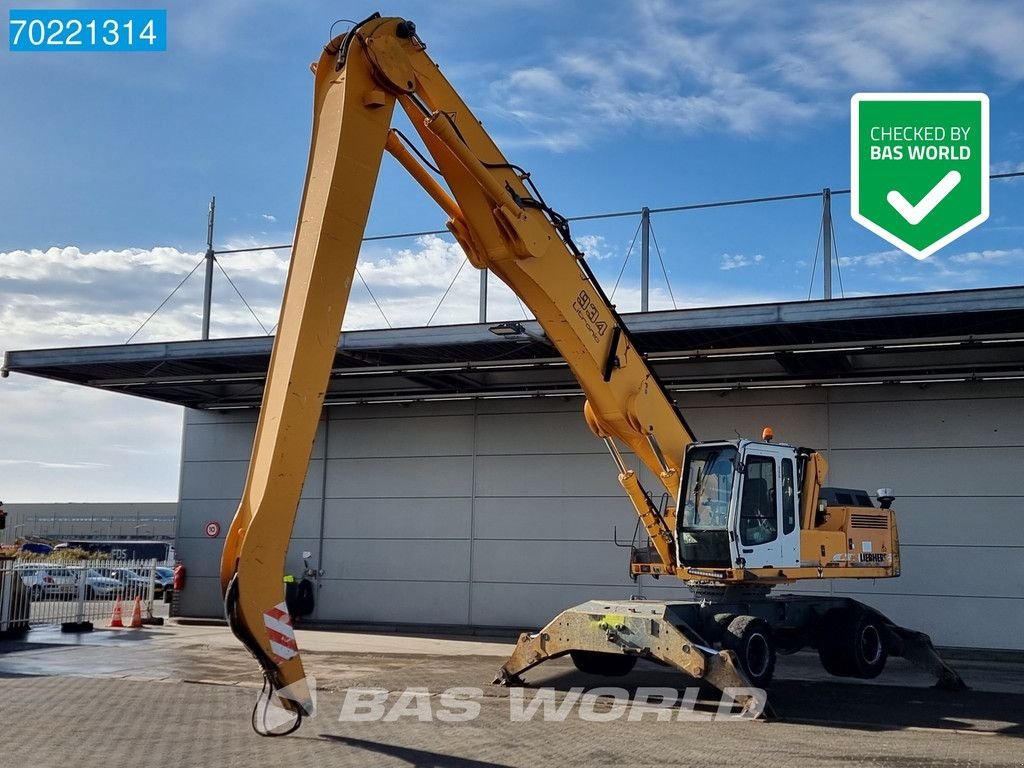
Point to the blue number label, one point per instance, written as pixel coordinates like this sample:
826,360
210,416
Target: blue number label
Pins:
87,30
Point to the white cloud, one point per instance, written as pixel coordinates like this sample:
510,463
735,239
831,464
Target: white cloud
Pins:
748,68
52,464
411,284
874,259
268,217
36,264
739,260
595,247
60,442
1006,166
994,257
942,271
67,297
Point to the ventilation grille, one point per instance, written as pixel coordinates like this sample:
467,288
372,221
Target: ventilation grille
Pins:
869,521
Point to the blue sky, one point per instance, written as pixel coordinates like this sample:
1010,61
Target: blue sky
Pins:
110,159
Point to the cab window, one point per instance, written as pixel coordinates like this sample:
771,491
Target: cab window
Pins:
758,516
788,497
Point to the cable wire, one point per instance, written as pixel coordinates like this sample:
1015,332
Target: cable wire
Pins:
374,298
814,266
619,214
266,698
519,301
625,261
232,284
162,303
445,296
561,223
839,267
664,271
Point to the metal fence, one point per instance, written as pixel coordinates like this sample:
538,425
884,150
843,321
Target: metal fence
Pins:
77,593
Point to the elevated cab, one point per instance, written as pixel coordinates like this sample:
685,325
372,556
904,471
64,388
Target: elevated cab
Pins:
756,511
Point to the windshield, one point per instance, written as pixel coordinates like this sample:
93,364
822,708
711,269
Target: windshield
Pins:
707,487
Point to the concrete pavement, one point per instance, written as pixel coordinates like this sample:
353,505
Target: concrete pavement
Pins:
97,700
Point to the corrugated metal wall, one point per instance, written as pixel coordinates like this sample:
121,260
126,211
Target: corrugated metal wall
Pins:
501,512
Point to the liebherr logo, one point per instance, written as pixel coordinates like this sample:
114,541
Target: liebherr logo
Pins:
874,557
590,313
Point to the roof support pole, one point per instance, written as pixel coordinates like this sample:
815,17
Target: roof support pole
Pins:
210,257
645,259
826,235
483,295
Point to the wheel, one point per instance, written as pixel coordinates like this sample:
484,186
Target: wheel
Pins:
852,643
604,664
720,626
90,593
750,638
37,592
866,640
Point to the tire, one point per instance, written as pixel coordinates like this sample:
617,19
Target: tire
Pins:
750,638
36,593
603,664
90,593
852,643
720,627
866,639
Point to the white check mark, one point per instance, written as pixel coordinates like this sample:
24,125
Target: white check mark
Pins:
916,213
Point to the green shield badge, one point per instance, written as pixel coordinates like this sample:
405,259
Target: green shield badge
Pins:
919,166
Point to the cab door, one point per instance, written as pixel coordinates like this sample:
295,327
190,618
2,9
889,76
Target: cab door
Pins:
766,530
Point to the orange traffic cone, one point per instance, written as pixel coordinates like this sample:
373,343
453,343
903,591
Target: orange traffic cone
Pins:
115,617
136,622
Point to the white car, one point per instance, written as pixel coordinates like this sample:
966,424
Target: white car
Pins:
47,581
98,586
132,582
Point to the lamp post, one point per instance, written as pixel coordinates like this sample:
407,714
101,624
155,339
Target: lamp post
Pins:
14,531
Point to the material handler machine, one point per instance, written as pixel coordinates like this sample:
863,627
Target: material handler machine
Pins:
742,516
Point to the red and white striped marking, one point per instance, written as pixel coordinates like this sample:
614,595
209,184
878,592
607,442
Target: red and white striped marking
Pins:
280,632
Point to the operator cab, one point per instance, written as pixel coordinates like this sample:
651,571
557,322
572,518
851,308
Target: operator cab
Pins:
739,506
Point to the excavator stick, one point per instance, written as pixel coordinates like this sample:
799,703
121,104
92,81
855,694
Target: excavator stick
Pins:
637,629
351,118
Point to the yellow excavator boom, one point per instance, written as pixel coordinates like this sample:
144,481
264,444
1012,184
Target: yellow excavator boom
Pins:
503,224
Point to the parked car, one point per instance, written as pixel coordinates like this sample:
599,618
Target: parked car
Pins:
164,578
47,581
133,583
99,586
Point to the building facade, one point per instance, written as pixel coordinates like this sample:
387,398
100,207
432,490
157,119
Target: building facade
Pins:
454,482
504,512
91,520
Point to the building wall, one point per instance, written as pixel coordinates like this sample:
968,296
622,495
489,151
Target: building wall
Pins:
95,520
502,512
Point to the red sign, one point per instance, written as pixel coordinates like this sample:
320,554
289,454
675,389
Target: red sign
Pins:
213,529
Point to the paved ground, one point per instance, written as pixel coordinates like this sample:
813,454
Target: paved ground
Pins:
122,699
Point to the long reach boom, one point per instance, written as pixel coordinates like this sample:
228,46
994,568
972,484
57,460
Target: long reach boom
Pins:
503,224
